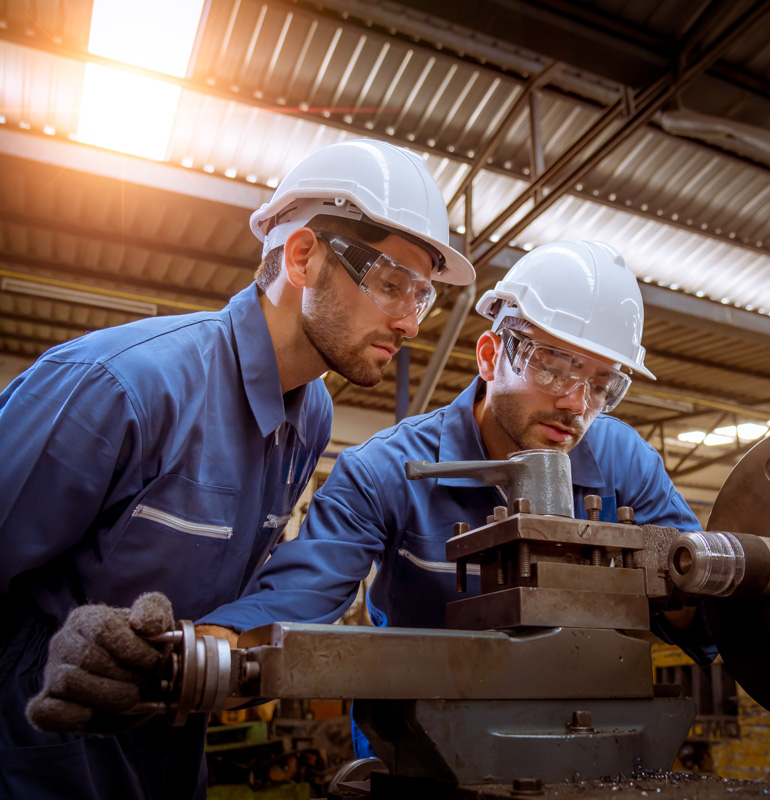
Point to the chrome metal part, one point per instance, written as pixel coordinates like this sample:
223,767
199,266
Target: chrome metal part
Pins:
544,477
354,772
202,676
707,563
721,564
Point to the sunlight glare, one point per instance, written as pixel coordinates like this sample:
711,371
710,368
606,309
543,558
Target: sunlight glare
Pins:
147,33
126,112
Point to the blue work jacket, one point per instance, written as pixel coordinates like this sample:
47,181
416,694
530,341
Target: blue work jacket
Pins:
367,511
158,455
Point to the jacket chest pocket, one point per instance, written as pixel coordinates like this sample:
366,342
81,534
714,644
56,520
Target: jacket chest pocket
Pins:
174,540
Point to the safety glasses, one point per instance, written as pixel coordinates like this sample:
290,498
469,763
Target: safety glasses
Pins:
559,372
396,289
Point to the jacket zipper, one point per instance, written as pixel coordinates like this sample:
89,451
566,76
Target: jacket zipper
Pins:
437,566
183,525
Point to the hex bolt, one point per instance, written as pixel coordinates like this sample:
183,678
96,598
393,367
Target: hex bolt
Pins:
527,786
593,505
459,528
581,722
525,560
522,505
500,513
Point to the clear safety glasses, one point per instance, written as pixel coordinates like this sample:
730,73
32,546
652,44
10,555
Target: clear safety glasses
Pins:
559,372
396,289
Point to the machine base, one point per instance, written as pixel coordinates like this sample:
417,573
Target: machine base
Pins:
477,742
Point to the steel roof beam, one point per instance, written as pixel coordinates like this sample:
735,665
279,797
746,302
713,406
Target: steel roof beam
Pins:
684,309
133,169
647,102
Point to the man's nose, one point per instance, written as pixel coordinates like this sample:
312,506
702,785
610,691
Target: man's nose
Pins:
576,399
408,325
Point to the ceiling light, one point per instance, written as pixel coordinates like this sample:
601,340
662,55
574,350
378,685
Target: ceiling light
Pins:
66,293
157,36
126,112
745,432
696,437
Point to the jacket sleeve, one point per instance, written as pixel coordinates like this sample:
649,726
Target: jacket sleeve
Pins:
66,429
646,487
315,577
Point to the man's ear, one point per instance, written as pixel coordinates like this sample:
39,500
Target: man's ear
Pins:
302,255
488,349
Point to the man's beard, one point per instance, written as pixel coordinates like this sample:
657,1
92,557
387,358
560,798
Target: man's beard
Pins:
508,415
326,325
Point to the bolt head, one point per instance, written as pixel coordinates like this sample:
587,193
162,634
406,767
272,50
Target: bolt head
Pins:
527,786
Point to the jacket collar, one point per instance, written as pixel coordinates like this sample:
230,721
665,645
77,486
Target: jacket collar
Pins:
259,367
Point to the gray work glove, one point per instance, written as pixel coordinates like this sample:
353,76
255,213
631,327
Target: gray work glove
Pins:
97,664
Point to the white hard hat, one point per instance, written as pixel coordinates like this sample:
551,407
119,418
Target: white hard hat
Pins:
390,185
581,292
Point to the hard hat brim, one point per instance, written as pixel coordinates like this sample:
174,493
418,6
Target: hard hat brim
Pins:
458,272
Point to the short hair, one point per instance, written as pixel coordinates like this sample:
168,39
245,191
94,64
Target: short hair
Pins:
270,266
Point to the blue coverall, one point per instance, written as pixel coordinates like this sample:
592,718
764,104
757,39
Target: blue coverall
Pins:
110,447
368,511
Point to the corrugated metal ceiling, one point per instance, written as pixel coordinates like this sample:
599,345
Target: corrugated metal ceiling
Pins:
271,81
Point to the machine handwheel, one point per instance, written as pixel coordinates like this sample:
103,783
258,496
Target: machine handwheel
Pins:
741,626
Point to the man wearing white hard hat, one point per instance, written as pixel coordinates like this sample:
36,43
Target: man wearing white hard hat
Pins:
565,342
163,458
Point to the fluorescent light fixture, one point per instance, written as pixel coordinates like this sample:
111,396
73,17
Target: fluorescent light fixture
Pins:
745,432
126,112
56,292
157,36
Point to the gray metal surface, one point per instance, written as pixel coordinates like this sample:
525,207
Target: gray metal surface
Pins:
321,661
525,606
544,477
741,626
496,742
540,528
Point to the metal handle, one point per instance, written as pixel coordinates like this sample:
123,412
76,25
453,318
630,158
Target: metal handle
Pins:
544,477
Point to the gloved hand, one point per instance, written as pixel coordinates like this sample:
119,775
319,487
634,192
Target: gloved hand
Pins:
97,664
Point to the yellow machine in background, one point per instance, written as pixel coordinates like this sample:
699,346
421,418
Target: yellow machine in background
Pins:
730,737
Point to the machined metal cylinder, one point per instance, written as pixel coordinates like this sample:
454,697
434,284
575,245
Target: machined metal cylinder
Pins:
720,564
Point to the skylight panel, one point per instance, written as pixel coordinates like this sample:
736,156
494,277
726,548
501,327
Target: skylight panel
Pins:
126,112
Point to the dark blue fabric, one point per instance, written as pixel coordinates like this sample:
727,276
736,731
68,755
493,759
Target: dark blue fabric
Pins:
182,415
